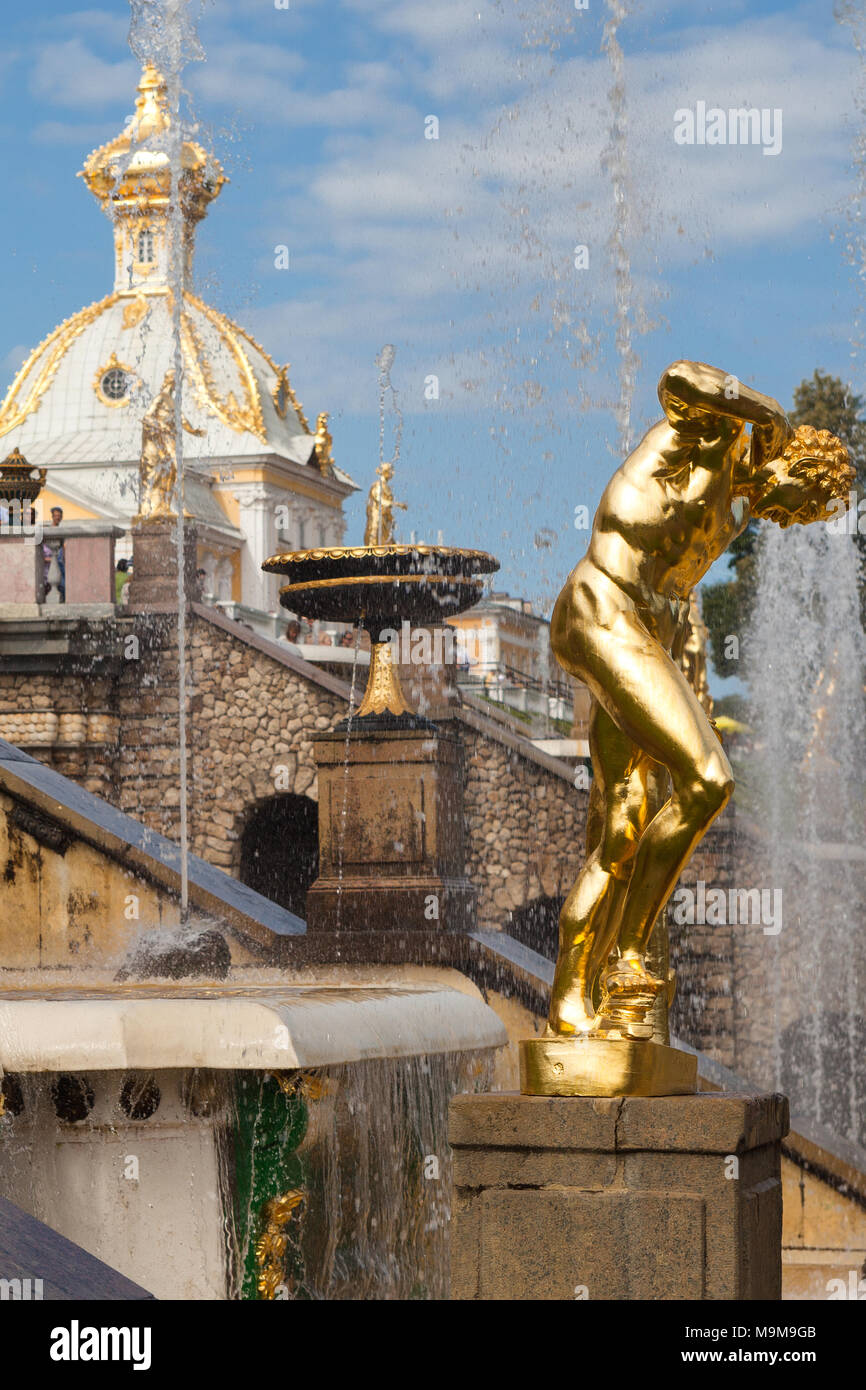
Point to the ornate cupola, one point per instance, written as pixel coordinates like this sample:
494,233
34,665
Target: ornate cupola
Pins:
131,177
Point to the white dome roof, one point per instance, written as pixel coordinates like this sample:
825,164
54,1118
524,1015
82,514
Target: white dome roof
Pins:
58,410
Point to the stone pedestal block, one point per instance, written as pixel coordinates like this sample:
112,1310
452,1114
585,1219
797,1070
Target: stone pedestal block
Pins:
22,570
390,834
90,569
430,680
666,1198
153,587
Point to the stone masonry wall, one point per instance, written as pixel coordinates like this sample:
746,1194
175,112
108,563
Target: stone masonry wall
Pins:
525,827
250,726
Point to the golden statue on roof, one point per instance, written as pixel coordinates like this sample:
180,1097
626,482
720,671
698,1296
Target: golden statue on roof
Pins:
324,444
157,468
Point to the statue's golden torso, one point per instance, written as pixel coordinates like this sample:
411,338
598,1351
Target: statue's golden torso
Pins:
669,511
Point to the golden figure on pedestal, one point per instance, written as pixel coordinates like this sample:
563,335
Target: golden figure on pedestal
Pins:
158,462
324,444
660,773
380,508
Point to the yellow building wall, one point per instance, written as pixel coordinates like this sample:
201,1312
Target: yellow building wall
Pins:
823,1236
71,510
70,911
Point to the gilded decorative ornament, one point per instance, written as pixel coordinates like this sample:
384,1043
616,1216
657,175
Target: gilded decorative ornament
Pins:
661,775
273,1242
384,693
280,395
241,417
308,1084
123,373
135,311
133,171
275,563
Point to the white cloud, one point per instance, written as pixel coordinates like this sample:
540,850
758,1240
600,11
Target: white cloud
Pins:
69,74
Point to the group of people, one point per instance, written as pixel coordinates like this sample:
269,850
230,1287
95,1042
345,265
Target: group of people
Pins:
299,635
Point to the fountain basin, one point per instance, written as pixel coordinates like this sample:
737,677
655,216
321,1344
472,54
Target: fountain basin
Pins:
153,1123
240,1027
377,587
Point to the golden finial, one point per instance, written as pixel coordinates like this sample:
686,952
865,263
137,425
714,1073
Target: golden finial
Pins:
133,169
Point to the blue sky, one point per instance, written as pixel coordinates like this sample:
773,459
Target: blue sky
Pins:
460,251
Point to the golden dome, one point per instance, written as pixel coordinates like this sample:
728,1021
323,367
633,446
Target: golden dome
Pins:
132,171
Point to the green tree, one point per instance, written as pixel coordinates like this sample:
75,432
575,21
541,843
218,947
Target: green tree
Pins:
826,402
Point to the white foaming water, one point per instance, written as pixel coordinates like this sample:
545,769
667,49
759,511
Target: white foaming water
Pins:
807,658
163,32
615,164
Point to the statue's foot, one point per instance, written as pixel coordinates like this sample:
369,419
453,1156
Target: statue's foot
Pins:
570,1019
629,975
629,992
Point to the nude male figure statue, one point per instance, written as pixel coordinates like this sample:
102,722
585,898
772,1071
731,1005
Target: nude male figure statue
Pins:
660,773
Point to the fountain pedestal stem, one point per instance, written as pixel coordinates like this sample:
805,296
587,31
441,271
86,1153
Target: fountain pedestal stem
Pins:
391,855
384,693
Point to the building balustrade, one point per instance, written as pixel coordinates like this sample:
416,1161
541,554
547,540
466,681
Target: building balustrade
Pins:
71,563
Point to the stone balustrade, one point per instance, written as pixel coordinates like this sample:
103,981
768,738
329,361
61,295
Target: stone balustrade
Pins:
67,564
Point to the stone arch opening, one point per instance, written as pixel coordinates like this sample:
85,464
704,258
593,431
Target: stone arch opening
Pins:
280,850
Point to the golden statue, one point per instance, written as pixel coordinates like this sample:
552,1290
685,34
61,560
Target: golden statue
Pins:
693,657
157,469
324,444
380,508
660,773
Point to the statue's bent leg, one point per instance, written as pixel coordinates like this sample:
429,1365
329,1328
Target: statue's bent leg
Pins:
653,704
590,916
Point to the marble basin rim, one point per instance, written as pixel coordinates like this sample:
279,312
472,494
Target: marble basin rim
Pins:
277,1023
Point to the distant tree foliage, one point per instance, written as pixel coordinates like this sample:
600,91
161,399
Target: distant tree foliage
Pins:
826,402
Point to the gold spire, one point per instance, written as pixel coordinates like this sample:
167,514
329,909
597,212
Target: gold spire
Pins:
131,177
134,166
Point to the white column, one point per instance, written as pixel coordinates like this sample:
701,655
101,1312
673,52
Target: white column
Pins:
257,521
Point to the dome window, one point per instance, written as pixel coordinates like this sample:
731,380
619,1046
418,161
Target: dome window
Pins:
113,382
145,248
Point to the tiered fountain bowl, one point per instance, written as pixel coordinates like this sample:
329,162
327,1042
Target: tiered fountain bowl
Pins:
378,587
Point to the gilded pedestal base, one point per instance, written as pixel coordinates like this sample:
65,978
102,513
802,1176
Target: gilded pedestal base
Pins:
605,1067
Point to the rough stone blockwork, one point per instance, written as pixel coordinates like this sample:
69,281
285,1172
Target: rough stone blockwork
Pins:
672,1198
525,829
250,725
